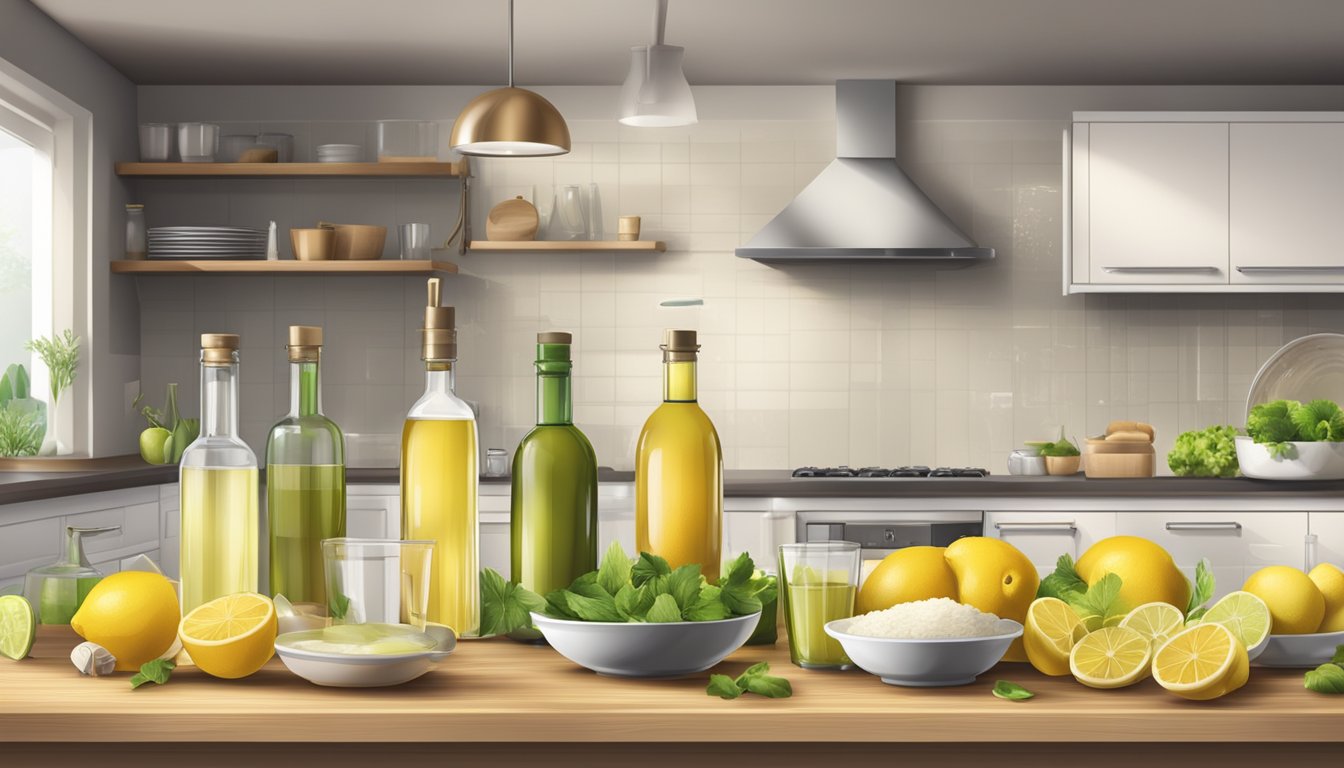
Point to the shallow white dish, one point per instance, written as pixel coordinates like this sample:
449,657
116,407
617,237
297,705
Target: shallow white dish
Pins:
646,650
340,670
926,663
1302,651
1310,461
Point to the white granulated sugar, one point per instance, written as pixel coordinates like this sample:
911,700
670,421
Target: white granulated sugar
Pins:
926,619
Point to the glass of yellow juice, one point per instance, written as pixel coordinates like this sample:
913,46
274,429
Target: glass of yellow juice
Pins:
817,583
377,581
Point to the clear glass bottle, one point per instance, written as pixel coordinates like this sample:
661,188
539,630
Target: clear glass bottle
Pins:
305,478
137,243
553,519
440,480
218,479
679,469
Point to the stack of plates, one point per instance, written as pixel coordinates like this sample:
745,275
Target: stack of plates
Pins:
338,153
206,243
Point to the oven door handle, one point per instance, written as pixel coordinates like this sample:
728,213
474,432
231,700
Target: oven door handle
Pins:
1069,527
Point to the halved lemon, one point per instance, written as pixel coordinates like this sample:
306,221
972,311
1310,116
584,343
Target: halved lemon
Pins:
1155,621
1203,662
1111,657
1245,615
231,636
1052,629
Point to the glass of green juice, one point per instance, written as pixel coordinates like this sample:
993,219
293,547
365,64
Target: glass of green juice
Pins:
817,583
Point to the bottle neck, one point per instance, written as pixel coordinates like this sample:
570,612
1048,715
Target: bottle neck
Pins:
679,381
555,404
439,376
305,393
219,400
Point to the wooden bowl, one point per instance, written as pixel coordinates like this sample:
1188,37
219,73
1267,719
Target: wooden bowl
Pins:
514,219
1062,465
312,244
357,242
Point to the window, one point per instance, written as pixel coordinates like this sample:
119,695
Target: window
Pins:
25,236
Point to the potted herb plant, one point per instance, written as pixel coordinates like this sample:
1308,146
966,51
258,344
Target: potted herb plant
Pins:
60,354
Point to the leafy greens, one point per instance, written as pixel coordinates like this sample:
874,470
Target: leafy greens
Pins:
1097,605
1329,677
755,680
1208,452
1279,423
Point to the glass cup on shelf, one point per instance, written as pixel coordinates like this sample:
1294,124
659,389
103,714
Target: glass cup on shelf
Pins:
817,584
383,581
496,462
198,142
414,241
157,142
569,216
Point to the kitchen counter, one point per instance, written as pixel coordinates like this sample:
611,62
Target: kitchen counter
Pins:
503,701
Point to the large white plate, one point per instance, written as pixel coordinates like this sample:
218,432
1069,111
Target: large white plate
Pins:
1306,368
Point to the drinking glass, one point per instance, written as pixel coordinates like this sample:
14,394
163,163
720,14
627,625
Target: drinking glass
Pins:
377,580
157,142
594,219
569,217
414,241
817,583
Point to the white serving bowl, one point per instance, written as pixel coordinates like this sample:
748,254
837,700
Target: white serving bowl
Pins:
925,663
342,670
1302,651
1310,461
646,650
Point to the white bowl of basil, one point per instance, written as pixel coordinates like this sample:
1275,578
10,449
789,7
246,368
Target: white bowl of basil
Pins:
631,649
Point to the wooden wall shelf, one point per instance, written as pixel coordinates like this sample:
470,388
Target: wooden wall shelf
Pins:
628,246
291,170
282,267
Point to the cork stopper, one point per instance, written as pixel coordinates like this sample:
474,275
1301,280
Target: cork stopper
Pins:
305,343
555,337
679,346
553,347
439,331
219,348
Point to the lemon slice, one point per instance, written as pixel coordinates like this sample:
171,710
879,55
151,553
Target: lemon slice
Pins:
18,627
1111,657
1203,662
1052,629
1155,621
231,636
1245,615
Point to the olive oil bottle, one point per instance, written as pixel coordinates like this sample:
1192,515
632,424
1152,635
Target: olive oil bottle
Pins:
679,469
439,477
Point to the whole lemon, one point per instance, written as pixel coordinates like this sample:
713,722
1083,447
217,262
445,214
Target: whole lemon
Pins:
1147,572
995,577
1330,580
1296,605
906,575
133,614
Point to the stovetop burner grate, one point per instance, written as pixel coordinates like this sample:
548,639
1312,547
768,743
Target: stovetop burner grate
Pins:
898,472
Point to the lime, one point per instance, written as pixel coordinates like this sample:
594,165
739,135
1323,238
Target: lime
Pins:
18,626
1155,621
1244,614
151,445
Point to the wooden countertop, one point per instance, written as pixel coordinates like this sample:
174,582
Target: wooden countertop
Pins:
501,691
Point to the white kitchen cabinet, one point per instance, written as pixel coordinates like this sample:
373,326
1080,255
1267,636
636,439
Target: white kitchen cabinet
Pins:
1044,536
1237,544
1326,544
1156,195
33,533
1287,194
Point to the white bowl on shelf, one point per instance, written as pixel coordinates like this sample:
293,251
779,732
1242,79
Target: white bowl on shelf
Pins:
1299,651
674,649
926,663
1307,461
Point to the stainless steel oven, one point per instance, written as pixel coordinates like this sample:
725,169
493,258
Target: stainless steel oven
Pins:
881,533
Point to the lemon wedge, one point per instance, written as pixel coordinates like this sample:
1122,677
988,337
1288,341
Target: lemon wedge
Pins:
1052,629
231,636
1111,657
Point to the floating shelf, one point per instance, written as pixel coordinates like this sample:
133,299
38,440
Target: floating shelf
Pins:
631,246
282,267
292,170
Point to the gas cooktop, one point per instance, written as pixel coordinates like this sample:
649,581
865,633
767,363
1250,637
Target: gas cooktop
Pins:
868,472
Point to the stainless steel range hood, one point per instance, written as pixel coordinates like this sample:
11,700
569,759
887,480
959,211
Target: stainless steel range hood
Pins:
862,206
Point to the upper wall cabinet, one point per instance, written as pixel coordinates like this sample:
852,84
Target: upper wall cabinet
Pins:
1205,202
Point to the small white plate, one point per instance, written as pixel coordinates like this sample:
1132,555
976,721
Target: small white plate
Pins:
340,670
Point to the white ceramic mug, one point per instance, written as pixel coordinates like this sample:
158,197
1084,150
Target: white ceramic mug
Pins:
1026,461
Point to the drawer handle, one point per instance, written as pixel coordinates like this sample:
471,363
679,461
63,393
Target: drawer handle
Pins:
1069,528
1203,526
1289,270
1161,270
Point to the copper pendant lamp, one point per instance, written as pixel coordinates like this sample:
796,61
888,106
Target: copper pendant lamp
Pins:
510,122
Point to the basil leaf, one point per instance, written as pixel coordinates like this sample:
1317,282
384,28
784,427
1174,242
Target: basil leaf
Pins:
754,670
614,573
664,610
1202,590
594,608
769,686
740,600
157,671
338,605
723,687
1338,658
684,584
738,572
1063,581
1011,691
557,603
506,606
647,568
1327,678
707,605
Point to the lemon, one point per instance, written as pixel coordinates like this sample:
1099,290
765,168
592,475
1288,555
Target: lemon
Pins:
1147,572
907,575
1330,580
1295,602
18,626
1111,657
1052,629
1245,616
1155,621
231,636
995,577
1201,663
133,614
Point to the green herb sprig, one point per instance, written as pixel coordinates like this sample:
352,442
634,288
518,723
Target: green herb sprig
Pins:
755,680
157,671
61,356
1329,677
20,433
1004,689
1098,605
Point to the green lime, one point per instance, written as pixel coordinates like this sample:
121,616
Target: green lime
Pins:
151,445
18,626
1245,614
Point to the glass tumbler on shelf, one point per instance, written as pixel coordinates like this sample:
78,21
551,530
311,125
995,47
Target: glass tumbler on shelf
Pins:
378,581
596,230
496,462
569,215
817,584
137,244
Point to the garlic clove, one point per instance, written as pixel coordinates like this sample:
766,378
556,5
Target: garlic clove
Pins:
93,660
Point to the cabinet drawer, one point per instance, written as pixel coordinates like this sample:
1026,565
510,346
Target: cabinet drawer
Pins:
1044,536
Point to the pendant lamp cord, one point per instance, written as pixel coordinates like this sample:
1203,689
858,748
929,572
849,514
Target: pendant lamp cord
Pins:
659,22
511,43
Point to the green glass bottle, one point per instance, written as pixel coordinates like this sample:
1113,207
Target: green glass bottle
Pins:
554,513
305,478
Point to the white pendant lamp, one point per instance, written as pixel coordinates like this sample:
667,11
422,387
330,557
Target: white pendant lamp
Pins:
655,93
510,122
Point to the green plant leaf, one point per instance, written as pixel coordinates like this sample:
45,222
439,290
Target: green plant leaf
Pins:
769,686
738,572
557,605
723,687
647,568
1064,582
1202,590
684,584
505,606
157,671
707,605
759,668
1100,605
595,608
1011,691
664,610
614,573
634,603
337,605
7,388
1327,678
1338,658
